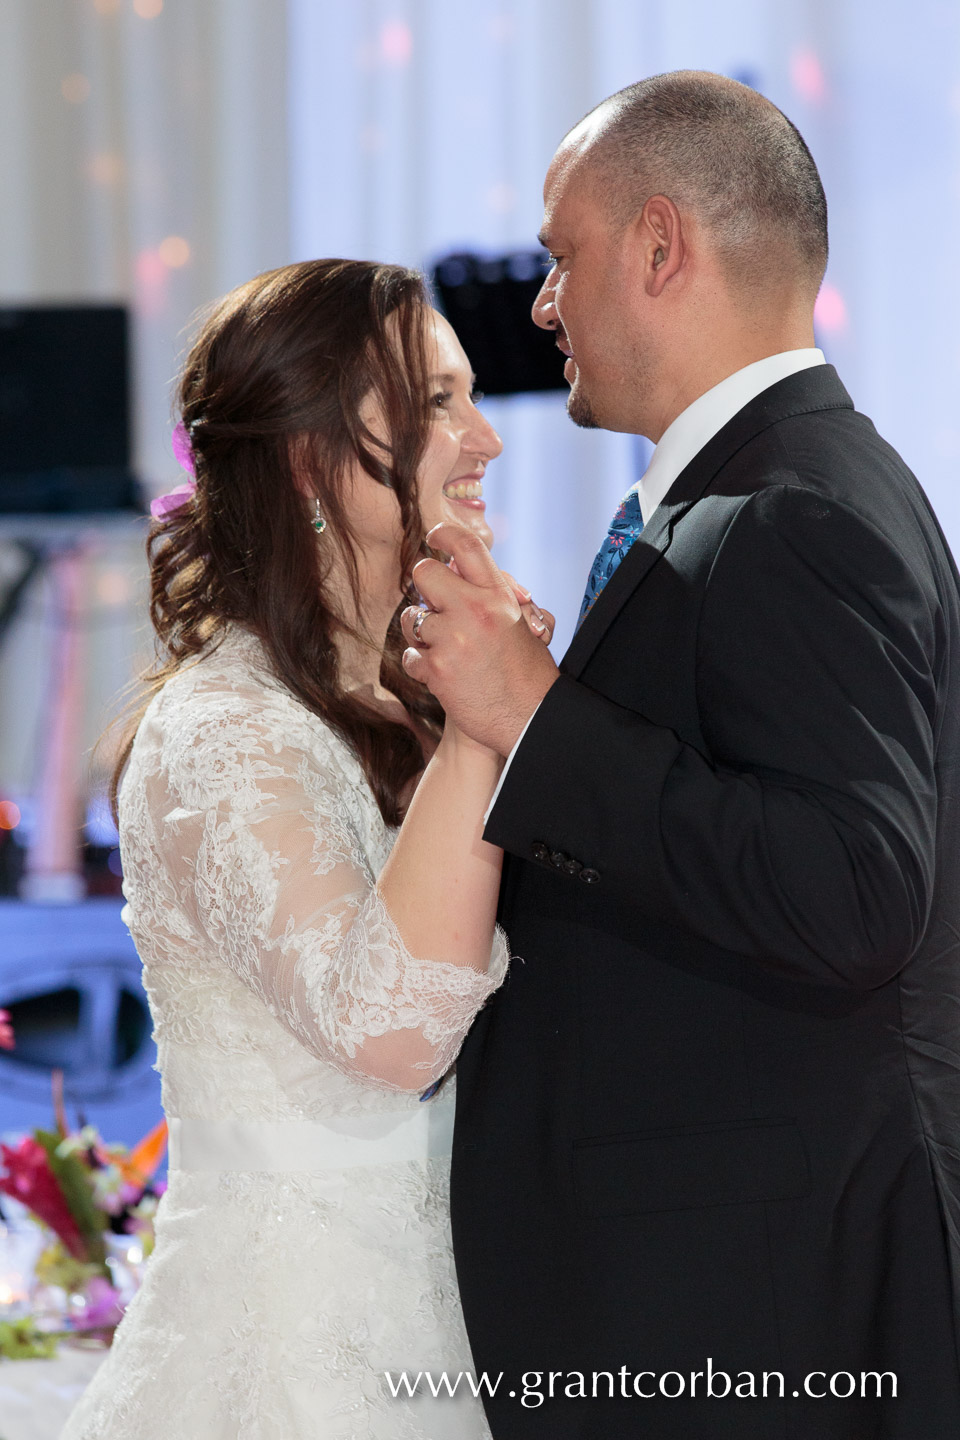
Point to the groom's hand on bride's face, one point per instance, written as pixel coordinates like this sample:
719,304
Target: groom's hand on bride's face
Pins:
476,651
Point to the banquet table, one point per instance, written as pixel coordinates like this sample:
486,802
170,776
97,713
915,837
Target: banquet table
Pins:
36,1396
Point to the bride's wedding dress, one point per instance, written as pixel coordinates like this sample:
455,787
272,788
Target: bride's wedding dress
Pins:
303,1244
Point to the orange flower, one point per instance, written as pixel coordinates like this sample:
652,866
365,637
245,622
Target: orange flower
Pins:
137,1168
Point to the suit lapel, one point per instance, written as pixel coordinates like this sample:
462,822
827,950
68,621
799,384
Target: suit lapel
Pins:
818,388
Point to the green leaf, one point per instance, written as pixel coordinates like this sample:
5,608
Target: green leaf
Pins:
56,1266
73,1177
21,1340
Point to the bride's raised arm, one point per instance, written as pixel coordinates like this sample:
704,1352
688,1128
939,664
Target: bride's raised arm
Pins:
262,846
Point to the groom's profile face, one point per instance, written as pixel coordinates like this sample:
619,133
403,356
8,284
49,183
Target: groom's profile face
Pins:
582,299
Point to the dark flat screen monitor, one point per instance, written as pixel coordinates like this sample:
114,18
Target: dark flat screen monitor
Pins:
65,409
487,301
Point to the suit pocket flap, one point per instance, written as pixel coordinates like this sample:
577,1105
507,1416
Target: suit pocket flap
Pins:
681,1169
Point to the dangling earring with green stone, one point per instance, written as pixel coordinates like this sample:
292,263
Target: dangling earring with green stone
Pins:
318,522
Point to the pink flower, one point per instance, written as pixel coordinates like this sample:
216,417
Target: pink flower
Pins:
104,1306
6,1031
165,504
30,1180
183,450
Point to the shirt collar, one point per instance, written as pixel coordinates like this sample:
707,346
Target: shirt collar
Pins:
693,427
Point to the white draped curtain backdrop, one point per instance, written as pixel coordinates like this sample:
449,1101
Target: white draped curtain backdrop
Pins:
162,151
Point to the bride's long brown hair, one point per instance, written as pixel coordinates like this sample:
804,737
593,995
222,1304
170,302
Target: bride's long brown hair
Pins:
273,384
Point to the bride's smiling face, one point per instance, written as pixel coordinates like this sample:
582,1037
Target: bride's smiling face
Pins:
462,441
459,447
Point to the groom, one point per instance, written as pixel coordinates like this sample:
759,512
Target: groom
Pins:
707,1162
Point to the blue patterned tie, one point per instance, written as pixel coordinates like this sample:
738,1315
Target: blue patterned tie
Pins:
624,529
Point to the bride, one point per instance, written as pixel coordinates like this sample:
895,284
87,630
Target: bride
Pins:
316,937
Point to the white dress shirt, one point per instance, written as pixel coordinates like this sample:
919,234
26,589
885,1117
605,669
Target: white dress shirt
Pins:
706,417
686,436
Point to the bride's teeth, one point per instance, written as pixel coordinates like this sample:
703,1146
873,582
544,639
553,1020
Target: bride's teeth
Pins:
469,490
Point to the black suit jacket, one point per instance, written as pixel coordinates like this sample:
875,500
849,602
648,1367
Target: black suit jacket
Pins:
715,1110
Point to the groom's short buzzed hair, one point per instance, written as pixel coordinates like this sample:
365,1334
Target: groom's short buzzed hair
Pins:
729,155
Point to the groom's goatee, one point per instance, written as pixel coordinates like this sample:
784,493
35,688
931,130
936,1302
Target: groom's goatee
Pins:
581,413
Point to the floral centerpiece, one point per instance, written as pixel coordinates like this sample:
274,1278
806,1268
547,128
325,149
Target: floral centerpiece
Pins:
93,1200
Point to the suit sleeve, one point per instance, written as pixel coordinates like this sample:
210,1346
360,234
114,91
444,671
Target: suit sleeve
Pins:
802,834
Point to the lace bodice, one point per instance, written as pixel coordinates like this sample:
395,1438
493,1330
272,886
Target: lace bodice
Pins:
251,844
279,1294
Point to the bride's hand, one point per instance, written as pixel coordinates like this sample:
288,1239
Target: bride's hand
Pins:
541,622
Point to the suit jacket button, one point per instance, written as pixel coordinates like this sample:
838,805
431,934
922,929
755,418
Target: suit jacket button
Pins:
589,877
558,859
573,867
539,851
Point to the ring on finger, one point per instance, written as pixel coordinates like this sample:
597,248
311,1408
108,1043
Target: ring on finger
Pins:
417,626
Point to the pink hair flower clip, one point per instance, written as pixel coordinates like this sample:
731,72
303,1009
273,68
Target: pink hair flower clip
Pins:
183,453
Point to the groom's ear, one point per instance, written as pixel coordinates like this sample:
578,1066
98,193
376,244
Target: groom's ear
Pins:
661,241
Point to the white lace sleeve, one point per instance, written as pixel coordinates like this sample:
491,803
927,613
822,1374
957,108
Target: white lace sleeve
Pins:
260,840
